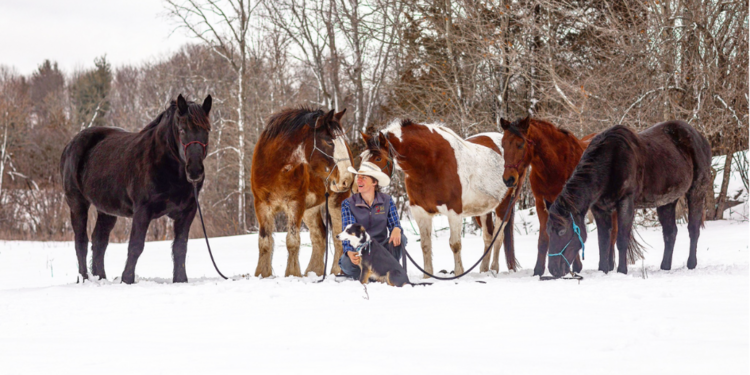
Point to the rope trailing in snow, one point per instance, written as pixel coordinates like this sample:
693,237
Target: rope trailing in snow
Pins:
500,229
195,190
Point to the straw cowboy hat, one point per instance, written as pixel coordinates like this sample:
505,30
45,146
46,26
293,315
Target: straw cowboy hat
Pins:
372,170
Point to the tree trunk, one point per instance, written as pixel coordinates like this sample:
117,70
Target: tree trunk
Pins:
241,219
724,186
2,157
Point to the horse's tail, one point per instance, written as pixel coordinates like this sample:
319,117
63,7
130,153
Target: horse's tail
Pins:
635,248
74,155
510,251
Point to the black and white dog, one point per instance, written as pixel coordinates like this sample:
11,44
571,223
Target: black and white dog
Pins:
376,262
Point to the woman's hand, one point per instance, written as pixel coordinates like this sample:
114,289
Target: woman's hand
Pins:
354,257
395,236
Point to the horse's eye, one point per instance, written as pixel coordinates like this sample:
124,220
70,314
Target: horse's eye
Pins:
561,232
377,159
520,146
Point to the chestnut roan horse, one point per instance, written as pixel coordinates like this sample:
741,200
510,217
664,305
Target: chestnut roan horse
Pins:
447,175
552,153
300,155
143,175
622,170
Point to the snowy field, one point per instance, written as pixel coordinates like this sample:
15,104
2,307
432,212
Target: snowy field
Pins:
680,321
647,322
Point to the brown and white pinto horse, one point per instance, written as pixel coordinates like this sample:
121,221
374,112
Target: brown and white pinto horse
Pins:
553,154
300,155
447,175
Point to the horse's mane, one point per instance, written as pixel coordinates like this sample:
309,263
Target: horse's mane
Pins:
595,163
195,114
544,125
289,121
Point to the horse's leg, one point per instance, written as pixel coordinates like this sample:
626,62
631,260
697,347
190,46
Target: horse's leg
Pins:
455,223
506,239
99,242
334,209
488,230
79,215
294,212
266,224
314,222
424,222
141,220
668,223
182,224
695,219
543,243
603,227
625,217
612,241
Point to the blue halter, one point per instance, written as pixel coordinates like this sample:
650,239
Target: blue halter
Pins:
577,231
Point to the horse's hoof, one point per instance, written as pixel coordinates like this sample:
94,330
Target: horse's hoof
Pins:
623,270
538,271
692,263
128,279
182,279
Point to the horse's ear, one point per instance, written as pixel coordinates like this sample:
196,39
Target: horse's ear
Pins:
207,104
182,105
505,124
324,120
365,137
524,124
382,140
339,115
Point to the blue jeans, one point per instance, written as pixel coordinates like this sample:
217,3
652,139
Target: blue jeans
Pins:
352,270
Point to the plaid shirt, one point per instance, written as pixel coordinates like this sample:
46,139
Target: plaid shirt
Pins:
347,218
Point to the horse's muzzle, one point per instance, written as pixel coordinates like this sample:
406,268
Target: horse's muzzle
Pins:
510,182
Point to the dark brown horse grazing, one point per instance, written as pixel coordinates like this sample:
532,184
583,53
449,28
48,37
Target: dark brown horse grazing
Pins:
447,175
552,153
623,171
143,175
300,155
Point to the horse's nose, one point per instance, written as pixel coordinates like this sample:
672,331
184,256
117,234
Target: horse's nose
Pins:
510,181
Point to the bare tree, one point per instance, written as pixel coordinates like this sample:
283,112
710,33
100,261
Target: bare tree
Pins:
224,25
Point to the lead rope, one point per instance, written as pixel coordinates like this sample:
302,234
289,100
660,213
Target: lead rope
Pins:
195,191
327,223
501,228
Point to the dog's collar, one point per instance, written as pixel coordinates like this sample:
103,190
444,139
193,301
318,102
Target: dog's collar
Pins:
364,246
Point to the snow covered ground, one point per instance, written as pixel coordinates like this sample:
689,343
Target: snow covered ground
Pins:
680,321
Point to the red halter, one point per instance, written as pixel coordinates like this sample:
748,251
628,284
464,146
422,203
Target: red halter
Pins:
185,146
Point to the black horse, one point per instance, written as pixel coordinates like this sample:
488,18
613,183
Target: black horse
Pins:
142,175
622,171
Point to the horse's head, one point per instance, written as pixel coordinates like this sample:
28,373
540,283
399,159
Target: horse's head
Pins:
333,156
567,233
191,128
378,152
516,145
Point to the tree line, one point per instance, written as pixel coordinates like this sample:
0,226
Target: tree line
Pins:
584,65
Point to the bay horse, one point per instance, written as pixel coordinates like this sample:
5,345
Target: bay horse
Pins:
622,170
300,155
143,175
449,175
552,153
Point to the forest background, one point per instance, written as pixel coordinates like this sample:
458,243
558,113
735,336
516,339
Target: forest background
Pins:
583,65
